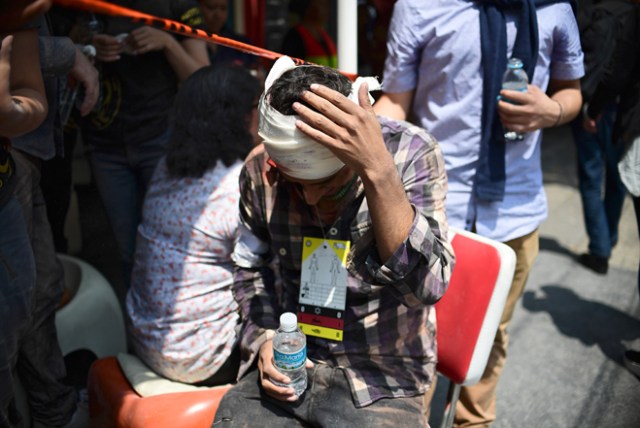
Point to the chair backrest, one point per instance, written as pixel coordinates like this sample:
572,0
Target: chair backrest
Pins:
469,313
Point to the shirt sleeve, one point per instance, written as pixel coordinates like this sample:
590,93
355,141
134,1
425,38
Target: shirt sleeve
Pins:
419,271
251,256
57,55
403,49
567,60
188,13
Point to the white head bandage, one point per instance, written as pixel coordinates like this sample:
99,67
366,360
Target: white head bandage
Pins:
298,155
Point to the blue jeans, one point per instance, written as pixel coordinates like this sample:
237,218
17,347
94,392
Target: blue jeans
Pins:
17,279
40,363
122,175
598,157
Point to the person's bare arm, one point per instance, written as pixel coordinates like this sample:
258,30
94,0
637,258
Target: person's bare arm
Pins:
353,134
85,74
23,103
185,56
15,13
533,110
394,106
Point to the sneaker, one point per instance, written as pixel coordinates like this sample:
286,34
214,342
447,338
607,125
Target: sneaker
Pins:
632,362
597,264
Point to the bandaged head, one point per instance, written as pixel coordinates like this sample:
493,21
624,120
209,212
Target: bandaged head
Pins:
295,153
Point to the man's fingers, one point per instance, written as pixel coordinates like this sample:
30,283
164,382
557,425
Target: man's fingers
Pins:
363,96
268,374
5,50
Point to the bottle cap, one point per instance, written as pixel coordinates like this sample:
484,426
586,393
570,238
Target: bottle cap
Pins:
514,63
288,321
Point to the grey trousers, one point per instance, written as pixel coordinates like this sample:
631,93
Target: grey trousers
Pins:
40,363
327,402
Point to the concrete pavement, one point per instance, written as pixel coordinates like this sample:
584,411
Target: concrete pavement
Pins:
564,366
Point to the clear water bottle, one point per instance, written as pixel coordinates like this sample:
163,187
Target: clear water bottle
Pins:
290,353
514,79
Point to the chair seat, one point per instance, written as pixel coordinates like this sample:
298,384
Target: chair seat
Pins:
114,403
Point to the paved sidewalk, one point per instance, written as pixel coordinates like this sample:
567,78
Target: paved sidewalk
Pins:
564,366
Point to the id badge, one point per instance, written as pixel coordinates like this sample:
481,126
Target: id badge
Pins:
323,287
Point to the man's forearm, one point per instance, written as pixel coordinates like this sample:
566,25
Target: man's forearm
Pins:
390,210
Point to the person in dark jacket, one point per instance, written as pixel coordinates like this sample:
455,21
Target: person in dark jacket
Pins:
622,81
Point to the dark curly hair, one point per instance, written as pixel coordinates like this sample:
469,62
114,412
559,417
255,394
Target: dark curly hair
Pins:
288,87
210,120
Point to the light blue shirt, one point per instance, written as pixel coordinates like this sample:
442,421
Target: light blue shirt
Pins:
434,49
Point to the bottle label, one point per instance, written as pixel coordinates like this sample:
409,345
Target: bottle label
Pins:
286,361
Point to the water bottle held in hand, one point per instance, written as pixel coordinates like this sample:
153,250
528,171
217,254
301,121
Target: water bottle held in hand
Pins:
290,353
514,79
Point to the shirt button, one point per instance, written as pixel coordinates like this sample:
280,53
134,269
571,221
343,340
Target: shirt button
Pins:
282,251
333,231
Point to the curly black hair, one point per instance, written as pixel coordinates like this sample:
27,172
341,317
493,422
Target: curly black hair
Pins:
210,120
288,87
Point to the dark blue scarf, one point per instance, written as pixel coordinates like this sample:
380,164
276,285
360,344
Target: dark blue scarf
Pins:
490,174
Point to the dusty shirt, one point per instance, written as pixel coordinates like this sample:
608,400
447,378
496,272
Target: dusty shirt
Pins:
389,324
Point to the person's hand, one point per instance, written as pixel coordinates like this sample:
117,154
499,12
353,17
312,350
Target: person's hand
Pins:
85,74
352,132
268,371
108,48
527,111
148,39
6,102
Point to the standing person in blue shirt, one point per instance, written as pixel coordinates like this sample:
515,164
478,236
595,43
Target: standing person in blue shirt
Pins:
448,79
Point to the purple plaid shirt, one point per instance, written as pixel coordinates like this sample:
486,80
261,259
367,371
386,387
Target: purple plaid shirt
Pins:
389,345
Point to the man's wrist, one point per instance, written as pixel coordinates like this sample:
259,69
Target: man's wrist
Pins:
560,115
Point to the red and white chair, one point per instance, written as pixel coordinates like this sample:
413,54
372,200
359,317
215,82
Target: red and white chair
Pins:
469,313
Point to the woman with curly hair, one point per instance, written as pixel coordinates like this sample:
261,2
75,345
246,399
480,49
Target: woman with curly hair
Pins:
183,318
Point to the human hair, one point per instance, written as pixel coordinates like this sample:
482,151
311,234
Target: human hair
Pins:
288,88
210,120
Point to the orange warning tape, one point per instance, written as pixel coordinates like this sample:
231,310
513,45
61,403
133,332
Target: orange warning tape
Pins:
105,8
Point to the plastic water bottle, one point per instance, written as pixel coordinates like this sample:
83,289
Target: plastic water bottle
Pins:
290,353
514,79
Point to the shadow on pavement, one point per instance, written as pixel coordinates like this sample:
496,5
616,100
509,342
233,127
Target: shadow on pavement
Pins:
591,322
552,245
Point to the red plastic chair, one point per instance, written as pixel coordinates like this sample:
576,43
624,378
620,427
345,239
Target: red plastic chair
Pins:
469,313
114,403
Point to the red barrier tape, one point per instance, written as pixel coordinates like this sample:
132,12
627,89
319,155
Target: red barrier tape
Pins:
105,8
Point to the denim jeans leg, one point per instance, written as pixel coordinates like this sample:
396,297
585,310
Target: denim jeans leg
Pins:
122,175
591,168
17,279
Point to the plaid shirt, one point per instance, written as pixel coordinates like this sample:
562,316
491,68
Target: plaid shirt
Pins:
389,346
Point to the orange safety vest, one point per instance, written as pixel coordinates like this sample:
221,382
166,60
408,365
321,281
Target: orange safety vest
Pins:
316,51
